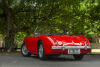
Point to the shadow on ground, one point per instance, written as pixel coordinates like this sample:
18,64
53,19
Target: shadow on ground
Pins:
54,58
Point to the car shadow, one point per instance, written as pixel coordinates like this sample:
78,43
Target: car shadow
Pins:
59,59
54,58
87,58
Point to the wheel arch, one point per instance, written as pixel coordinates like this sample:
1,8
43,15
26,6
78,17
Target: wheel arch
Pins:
46,44
38,44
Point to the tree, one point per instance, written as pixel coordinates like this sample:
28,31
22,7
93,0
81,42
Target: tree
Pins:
73,16
22,15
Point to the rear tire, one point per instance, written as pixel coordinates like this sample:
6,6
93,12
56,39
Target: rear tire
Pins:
24,51
78,56
41,52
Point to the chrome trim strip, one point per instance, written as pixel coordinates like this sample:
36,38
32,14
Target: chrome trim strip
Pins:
72,43
71,47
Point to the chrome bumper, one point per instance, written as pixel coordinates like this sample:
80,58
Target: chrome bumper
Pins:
71,47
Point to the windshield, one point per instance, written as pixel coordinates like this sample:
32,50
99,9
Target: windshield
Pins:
48,30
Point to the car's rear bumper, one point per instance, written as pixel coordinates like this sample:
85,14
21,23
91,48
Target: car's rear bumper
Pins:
65,49
71,47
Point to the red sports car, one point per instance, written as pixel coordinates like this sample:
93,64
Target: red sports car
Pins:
56,44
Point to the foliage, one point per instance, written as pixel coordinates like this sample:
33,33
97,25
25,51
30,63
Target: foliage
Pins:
20,17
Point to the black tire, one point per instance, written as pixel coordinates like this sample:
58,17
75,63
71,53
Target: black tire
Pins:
41,52
24,51
78,56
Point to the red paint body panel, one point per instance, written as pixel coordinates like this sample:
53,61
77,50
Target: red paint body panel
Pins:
56,40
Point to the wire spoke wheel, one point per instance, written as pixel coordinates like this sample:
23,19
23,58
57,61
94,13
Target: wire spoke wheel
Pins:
41,52
24,50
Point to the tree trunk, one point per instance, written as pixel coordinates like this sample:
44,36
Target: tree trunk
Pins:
10,33
9,42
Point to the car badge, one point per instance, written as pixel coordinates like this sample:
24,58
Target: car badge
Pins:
63,43
85,44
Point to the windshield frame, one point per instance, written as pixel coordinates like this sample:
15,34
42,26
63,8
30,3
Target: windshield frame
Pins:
53,30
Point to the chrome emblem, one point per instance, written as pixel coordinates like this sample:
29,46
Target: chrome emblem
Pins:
63,43
63,46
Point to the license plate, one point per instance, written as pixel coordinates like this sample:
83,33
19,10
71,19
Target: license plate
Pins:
73,51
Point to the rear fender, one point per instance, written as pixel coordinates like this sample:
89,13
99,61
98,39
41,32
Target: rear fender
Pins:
46,43
87,41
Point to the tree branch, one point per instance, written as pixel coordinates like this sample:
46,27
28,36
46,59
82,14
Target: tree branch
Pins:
50,14
1,6
2,15
22,10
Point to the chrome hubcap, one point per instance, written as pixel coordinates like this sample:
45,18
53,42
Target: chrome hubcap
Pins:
24,50
41,51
